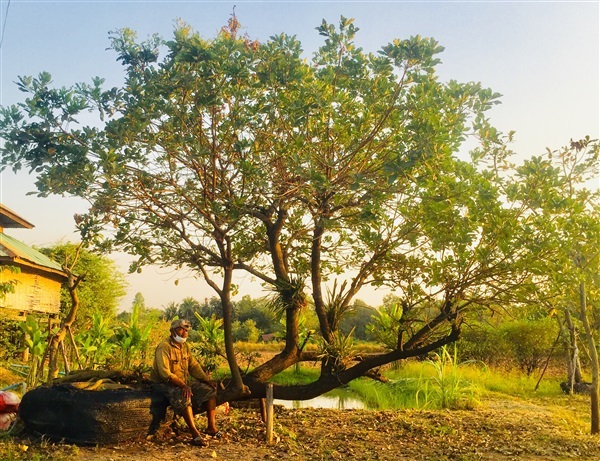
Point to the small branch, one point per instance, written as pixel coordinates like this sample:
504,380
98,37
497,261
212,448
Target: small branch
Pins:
376,375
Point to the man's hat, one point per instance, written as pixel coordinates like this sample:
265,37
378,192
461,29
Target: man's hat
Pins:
180,323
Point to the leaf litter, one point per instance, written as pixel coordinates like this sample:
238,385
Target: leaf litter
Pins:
497,430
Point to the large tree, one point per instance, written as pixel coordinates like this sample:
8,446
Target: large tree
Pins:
317,177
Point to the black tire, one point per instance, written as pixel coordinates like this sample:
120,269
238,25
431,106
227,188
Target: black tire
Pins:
91,417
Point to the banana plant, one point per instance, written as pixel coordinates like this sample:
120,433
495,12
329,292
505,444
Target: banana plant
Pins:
95,343
35,343
132,338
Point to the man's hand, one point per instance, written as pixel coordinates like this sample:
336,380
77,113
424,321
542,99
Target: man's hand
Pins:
186,392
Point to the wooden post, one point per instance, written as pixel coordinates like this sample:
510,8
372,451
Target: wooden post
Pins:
269,413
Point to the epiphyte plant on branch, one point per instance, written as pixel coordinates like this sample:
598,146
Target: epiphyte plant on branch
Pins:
230,155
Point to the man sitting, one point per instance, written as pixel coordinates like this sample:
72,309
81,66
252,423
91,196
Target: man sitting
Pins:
173,365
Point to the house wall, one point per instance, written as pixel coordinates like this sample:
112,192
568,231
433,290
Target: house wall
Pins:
34,292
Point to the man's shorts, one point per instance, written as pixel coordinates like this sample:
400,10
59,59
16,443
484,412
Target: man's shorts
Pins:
201,392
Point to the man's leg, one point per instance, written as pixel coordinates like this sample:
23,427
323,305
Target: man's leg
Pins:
211,412
188,417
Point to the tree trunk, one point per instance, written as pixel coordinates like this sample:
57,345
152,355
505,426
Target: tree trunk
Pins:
239,388
595,413
573,362
58,338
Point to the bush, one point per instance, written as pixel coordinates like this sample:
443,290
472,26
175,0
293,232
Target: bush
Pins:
245,331
11,339
522,343
482,342
531,341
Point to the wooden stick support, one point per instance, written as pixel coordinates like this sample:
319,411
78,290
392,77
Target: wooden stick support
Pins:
61,345
74,345
269,413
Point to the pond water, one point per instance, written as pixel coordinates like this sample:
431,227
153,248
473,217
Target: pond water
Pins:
337,401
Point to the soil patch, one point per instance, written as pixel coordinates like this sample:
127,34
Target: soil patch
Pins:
498,430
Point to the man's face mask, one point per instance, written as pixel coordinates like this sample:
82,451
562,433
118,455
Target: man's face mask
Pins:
179,339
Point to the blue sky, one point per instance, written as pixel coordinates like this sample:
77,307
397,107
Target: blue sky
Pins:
543,57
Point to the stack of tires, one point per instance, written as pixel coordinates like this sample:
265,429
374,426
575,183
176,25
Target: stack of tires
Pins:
91,417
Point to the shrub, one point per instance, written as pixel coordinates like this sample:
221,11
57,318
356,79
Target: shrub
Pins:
11,339
531,341
483,342
245,331
523,343
210,342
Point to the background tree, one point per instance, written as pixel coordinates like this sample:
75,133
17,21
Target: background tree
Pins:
259,311
564,225
245,331
187,309
102,288
317,177
170,311
360,318
139,302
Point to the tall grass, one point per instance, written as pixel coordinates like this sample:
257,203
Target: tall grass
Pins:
488,381
512,383
446,388
393,395
438,383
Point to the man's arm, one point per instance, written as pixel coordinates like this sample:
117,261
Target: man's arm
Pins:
162,364
198,372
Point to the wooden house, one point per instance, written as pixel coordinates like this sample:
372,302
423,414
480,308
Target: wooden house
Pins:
37,279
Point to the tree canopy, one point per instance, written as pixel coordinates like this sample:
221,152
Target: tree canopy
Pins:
316,176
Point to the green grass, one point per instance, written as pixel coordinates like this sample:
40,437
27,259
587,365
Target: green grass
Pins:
488,380
291,376
514,383
396,394
11,450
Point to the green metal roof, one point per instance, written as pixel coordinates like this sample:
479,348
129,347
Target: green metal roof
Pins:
14,249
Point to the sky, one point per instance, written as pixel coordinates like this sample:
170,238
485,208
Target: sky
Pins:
543,57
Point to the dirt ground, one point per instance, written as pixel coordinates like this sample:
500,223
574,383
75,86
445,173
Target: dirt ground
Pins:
498,430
